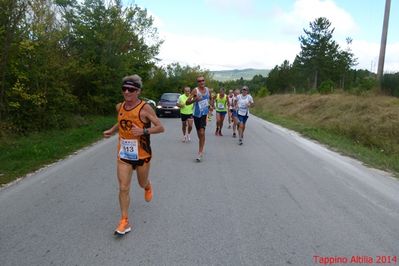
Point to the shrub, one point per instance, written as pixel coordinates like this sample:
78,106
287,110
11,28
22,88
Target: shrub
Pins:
262,92
390,83
367,83
326,87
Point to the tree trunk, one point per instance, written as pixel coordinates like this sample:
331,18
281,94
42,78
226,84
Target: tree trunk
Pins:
315,80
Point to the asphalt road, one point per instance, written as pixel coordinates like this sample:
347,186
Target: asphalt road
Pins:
276,200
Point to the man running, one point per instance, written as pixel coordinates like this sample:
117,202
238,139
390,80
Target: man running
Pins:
221,110
134,150
233,109
186,114
244,102
211,101
201,98
230,102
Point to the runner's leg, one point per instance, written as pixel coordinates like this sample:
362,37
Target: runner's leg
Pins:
124,173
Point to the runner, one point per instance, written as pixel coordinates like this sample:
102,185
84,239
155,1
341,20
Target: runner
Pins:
134,151
200,96
244,102
233,109
186,114
211,101
230,102
221,110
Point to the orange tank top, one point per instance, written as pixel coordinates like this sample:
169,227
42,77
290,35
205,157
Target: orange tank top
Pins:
131,147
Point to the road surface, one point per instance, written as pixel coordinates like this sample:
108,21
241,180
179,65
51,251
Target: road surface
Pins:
278,199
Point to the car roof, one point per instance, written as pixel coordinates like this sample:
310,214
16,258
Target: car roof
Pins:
167,93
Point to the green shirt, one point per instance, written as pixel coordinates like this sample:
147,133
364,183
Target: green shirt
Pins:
221,103
186,109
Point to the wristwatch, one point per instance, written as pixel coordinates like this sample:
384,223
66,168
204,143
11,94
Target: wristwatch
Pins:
145,131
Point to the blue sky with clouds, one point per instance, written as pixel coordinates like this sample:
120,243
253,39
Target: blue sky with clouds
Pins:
235,34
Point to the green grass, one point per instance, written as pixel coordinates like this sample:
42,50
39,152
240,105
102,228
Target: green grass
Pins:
22,155
370,156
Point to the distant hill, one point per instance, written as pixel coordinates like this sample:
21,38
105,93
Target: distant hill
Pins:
247,74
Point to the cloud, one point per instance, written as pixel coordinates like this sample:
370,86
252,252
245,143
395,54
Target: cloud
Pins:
219,53
306,11
368,55
216,53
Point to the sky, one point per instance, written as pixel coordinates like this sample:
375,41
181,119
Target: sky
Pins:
238,34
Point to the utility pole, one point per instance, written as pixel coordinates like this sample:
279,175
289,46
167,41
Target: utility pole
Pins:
381,59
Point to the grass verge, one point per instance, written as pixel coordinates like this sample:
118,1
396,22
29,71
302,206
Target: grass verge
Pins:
22,155
371,156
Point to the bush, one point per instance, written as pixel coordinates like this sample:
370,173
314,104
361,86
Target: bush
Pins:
262,92
367,83
390,83
326,87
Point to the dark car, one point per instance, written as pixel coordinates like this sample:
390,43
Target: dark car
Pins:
167,105
150,102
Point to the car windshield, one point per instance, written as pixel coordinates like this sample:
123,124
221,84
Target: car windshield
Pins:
170,97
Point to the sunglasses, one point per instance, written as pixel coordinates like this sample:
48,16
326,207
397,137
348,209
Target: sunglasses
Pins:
130,88
201,80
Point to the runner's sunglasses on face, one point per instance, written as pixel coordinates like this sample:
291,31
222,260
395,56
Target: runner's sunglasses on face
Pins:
130,86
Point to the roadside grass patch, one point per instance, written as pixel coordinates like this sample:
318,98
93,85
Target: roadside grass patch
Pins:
363,127
23,154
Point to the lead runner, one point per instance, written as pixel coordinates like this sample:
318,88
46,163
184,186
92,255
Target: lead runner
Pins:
134,150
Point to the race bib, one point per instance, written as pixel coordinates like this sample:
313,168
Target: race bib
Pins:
129,149
203,104
220,106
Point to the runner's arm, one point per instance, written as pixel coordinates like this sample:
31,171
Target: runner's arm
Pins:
150,116
180,103
108,133
251,102
192,97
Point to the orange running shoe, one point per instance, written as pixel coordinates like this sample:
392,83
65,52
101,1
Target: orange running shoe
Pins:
123,227
148,193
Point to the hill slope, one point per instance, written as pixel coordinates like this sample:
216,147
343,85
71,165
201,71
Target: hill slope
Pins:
247,74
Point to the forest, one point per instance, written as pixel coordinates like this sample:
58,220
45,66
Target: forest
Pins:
62,60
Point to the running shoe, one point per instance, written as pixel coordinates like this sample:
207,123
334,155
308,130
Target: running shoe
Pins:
220,133
188,138
200,157
123,227
240,142
148,193
184,139
234,135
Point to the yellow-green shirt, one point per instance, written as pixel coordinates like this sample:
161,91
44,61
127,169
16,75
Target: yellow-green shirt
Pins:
187,109
221,103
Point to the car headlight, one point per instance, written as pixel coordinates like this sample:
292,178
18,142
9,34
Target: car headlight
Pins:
175,107
159,106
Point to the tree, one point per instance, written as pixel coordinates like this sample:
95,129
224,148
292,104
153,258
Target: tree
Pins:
278,80
173,78
318,50
12,14
107,42
344,61
65,57
321,58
